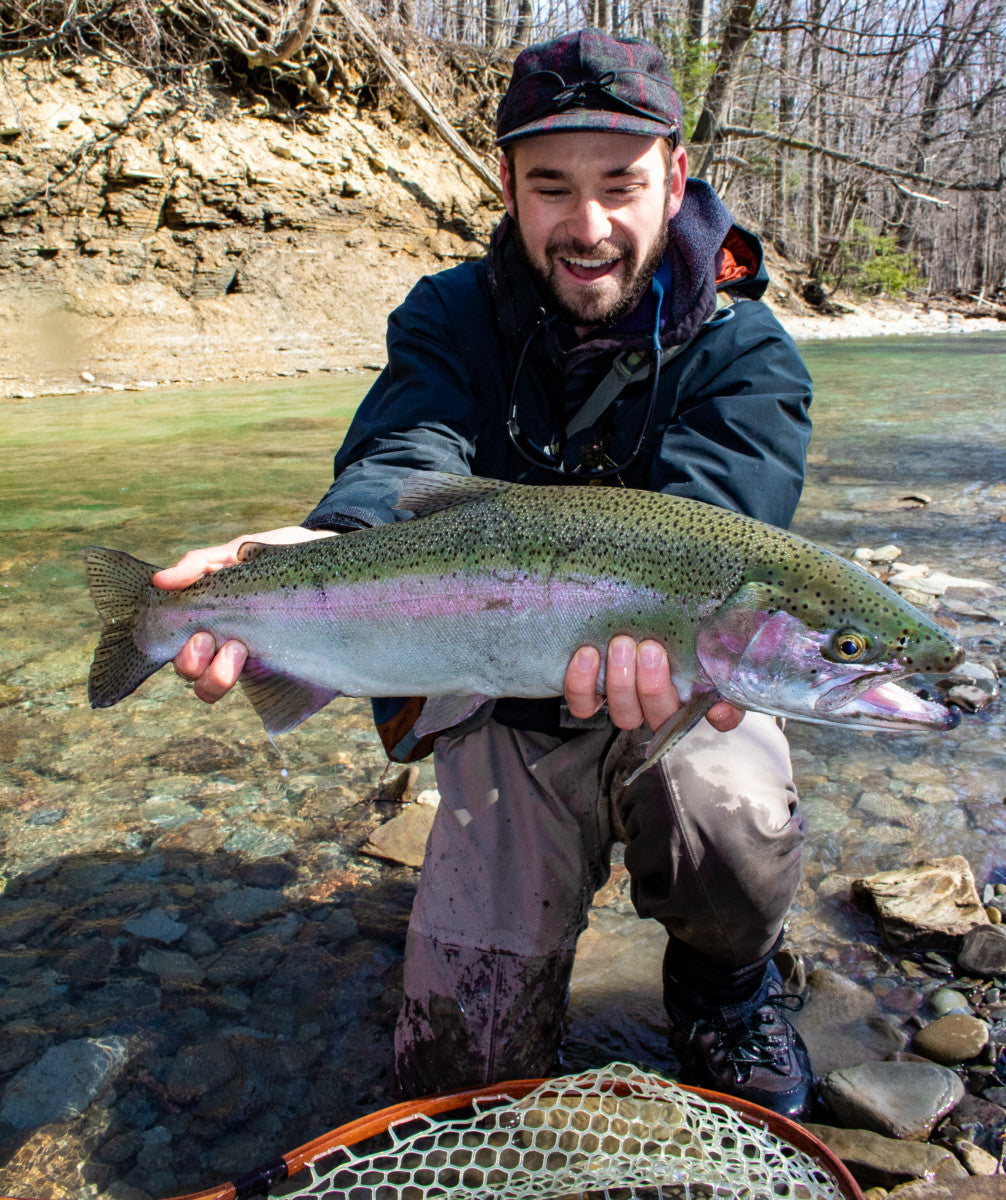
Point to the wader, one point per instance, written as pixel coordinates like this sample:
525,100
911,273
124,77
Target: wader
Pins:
522,841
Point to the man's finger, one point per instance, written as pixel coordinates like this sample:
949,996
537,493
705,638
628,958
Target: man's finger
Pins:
195,565
195,656
658,697
580,682
620,683
222,673
724,716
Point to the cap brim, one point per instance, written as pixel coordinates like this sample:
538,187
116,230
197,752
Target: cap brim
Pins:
591,119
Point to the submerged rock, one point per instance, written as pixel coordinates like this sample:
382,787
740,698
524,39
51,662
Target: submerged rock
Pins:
877,1161
63,1082
897,1099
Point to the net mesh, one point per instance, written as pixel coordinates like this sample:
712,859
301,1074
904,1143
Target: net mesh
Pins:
614,1133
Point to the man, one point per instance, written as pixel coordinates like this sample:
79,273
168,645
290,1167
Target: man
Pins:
611,335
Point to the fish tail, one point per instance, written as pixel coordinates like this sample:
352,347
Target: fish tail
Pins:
120,586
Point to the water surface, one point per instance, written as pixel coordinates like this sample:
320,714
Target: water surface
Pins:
204,933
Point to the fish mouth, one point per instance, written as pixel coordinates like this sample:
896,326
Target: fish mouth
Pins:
884,702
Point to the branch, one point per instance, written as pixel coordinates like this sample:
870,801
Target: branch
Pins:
368,35
293,41
865,164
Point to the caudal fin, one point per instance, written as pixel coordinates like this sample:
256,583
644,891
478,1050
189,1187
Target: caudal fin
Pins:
119,587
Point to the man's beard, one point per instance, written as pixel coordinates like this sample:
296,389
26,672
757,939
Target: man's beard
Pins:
593,310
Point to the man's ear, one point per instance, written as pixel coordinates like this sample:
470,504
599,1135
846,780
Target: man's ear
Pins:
507,184
678,168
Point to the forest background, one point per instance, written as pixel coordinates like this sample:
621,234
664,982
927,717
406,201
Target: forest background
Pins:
866,138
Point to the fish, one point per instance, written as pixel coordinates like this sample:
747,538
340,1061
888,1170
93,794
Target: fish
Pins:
489,589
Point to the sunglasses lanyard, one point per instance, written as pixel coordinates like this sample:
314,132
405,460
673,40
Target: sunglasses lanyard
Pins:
604,395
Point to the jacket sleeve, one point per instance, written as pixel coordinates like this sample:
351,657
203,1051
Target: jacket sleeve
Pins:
739,435
420,415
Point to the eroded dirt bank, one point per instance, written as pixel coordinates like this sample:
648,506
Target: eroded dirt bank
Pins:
144,240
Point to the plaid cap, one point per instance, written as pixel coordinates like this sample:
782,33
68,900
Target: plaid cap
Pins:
589,80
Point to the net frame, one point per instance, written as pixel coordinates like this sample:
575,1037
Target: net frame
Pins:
324,1155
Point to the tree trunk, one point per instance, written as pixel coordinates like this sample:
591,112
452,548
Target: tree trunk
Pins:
728,62
698,21
525,23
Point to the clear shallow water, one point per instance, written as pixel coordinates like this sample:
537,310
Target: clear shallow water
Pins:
251,1007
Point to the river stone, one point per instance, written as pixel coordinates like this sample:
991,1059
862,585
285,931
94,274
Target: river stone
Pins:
944,1001
157,926
897,1099
976,1160
876,1161
983,951
927,906
403,838
172,966
247,904
63,1082
954,1038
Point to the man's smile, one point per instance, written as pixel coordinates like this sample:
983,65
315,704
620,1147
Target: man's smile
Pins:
588,269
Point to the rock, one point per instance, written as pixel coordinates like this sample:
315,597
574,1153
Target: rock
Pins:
897,1099
402,786
63,1082
201,756
156,925
259,842
954,1038
976,1160
928,906
845,1000
172,966
983,951
877,1161
403,838
247,904
945,1000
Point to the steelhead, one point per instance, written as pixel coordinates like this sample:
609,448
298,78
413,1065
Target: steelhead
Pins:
492,586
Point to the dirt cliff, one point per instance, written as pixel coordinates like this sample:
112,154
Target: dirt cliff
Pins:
143,237
150,238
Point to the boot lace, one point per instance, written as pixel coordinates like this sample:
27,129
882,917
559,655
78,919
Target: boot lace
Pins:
758,1042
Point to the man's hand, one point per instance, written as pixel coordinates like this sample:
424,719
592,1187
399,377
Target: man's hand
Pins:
638,686
214,670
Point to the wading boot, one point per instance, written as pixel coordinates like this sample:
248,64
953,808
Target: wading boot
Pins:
746,1049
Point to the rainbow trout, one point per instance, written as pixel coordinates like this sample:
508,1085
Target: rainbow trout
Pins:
493,586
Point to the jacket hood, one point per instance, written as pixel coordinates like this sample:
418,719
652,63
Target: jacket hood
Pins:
705,251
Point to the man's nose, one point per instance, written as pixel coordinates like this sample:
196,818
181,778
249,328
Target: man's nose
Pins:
589,224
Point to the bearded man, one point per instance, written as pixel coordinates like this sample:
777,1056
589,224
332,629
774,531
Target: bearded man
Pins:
612,334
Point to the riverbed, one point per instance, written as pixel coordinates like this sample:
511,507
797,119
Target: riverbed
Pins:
198,935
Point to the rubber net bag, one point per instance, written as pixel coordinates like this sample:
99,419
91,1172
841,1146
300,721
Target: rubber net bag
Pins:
610,1134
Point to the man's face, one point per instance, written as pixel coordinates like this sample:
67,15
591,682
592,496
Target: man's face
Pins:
591,212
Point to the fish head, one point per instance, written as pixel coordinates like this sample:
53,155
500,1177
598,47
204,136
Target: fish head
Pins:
829,644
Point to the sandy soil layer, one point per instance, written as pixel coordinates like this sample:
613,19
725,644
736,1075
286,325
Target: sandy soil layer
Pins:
143,243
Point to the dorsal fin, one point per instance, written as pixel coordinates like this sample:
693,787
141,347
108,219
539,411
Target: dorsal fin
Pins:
430,491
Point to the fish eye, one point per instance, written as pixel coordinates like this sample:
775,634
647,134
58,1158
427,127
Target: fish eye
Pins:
848,646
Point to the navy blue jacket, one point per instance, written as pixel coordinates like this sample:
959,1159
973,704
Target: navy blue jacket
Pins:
730,424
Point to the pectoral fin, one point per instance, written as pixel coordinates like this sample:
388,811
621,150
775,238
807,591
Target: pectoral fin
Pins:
673,730
281,701
444,712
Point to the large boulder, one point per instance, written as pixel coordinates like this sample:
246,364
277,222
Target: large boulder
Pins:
928,906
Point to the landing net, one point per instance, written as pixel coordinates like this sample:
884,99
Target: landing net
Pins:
612,1134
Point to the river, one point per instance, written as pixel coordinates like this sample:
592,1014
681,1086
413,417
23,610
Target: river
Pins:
193,944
